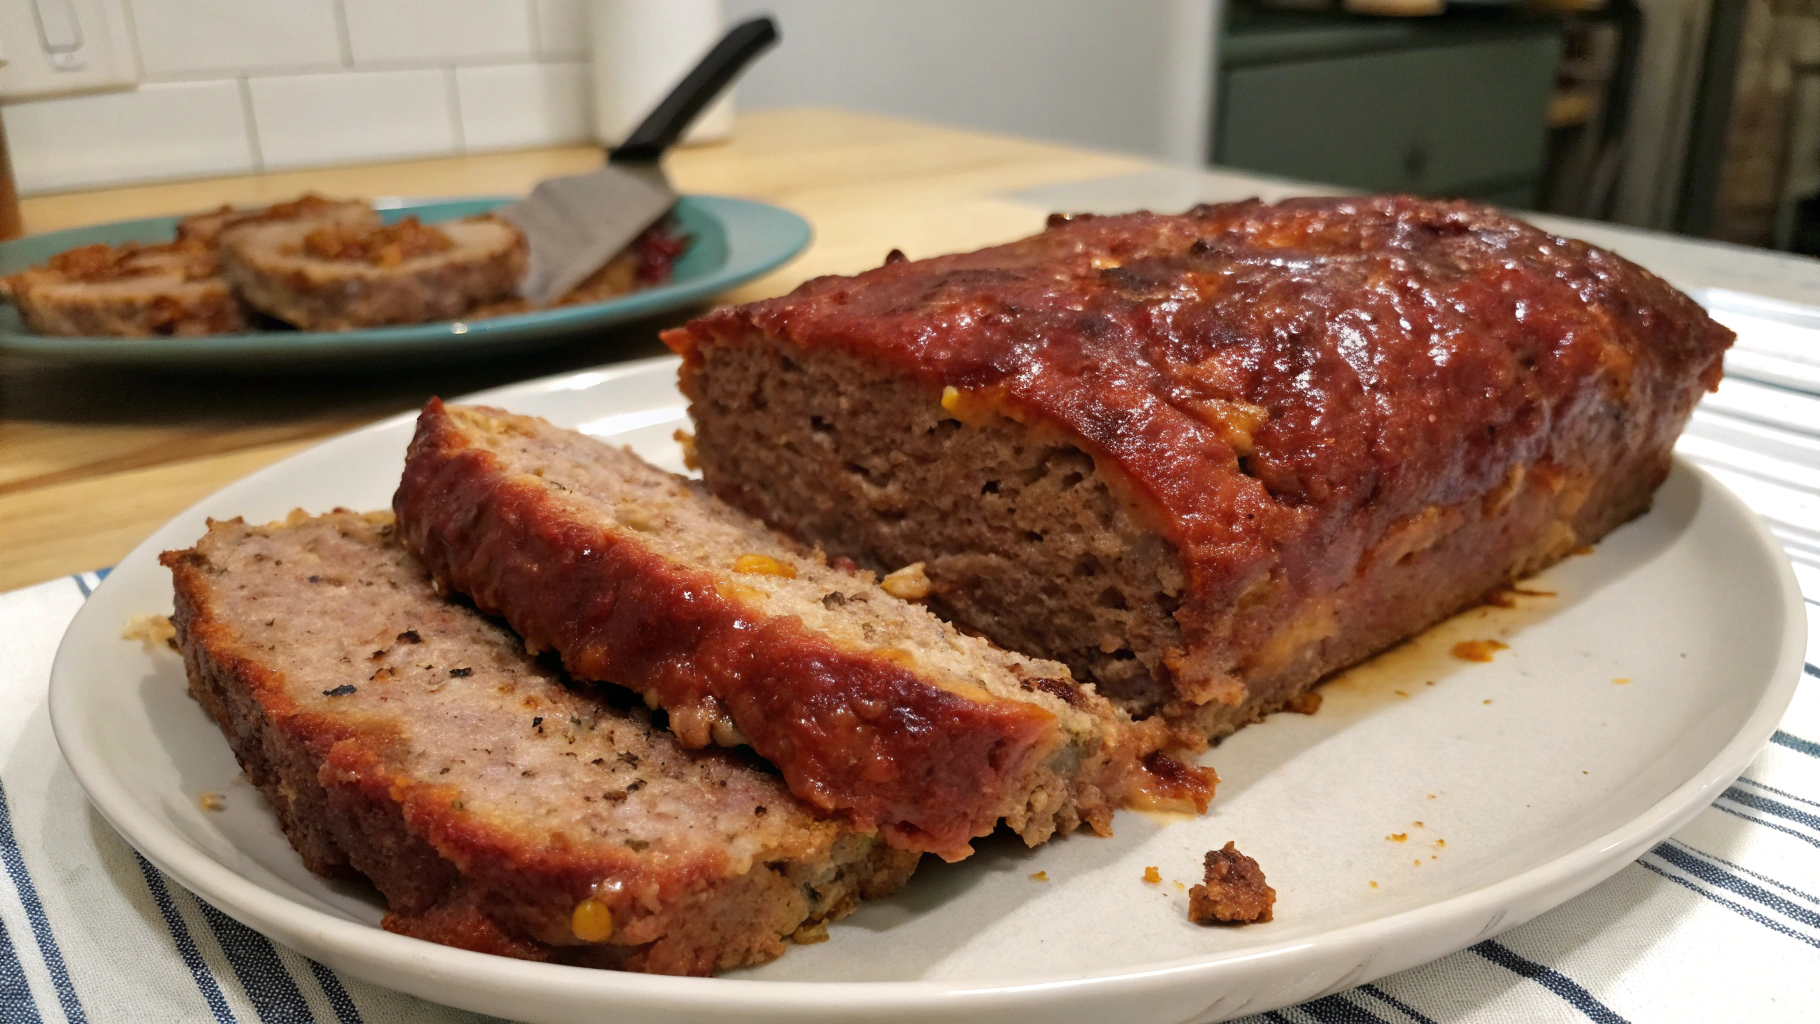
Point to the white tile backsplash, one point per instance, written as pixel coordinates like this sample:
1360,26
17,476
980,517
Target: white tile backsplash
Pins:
385,31
562,27
517,106
189,37
348,117
240,86
157,131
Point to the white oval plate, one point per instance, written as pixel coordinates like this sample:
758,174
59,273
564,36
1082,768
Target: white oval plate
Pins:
1540,772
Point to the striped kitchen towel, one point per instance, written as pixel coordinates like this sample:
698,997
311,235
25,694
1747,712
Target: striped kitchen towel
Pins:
1721,922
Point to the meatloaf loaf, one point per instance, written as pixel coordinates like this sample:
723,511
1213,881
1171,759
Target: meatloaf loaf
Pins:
408,738
1205,459
868,704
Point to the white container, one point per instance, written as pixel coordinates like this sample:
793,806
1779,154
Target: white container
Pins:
641,49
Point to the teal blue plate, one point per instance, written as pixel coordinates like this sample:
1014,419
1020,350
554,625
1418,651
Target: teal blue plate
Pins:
732,241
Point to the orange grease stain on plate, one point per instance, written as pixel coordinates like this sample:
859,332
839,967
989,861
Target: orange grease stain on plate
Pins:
1478,650
1429,657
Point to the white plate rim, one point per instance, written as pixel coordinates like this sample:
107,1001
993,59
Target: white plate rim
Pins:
395,960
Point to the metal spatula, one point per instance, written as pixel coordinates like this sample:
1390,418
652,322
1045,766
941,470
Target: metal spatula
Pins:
574,225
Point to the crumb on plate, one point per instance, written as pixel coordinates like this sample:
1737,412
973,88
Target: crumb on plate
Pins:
1234,891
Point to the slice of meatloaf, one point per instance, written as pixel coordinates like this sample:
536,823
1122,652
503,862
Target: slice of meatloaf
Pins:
410,739
335,277
207,227
867,703
129,290
1206,459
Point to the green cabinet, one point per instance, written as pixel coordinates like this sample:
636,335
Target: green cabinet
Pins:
1419,108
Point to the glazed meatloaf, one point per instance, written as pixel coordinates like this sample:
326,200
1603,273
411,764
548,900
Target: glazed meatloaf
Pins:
869,705
497,808
1206,459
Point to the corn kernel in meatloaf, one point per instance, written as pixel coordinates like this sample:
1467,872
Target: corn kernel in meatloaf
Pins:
497,808
869,705
1206,459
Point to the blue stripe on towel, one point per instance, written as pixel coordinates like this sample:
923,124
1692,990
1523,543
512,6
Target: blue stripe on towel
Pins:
82,585
1714,875
1779,792
16,1003
1775,807
268,985
1796,743
1791,890
101,574
1560,984
34,913
1768,922
1803,836
338,996
1401,1007
1337,1009
186,945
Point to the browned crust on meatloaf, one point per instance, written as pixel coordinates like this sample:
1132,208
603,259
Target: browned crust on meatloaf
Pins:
1343,419
208,227
704,861
1233,892
507,510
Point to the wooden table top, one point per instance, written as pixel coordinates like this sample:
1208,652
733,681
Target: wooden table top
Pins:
92,461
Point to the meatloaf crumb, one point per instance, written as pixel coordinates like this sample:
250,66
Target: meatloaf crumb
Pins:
1234,891
868,704
497,806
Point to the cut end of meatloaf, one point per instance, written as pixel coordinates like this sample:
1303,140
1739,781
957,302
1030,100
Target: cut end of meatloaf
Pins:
331,277
868,704
496,806
128,290
1206,459
1022,537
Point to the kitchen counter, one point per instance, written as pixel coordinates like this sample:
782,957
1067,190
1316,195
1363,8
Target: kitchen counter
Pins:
92,461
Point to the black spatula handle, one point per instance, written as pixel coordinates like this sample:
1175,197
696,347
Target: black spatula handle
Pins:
663,126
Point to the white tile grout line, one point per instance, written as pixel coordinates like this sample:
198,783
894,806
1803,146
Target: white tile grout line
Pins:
252,124
453,88
343,36
424,64
132,39
536,30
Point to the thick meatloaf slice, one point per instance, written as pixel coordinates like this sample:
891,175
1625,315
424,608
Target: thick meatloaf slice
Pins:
1206,459
868,704
129,290
208,227
409,738
331,277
